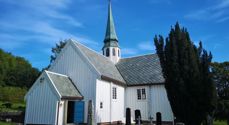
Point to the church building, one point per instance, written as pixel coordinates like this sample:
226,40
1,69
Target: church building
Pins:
61,94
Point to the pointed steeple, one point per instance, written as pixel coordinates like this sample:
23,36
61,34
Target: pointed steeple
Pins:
111,48
111,39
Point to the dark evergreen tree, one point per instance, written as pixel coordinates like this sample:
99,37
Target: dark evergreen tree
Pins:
220,73
188,81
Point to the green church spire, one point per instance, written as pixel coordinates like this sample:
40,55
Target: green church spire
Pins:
111,39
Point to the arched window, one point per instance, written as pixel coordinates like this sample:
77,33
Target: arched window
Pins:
118,53
113,51
107,52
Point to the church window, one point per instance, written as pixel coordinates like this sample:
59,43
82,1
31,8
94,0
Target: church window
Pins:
141,94
101,105
107,52
113,51
114,93
118,54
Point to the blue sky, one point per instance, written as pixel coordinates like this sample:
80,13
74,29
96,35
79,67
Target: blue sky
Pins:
30,28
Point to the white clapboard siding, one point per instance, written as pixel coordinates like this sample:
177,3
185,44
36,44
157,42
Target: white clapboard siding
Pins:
103,95
72,63
113,109
156,101
133,103
117,106
160,103
41,103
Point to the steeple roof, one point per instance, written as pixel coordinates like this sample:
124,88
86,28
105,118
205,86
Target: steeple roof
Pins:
111,38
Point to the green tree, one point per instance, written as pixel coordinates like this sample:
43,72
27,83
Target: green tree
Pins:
16,71
220,73
57,49
55,52
190,89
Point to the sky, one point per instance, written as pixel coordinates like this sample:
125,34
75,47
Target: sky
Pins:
30,28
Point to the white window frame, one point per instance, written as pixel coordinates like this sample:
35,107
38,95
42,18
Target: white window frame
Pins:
114,93
141,94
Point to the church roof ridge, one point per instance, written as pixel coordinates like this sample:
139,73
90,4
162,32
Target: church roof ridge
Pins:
130,57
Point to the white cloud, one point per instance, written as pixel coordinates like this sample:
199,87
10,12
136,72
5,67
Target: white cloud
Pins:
149,46
222,4
129,51
38,19
215,12
223,19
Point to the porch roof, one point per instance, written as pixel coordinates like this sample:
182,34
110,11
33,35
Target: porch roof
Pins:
64,85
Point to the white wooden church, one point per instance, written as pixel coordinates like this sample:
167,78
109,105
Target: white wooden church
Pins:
60,95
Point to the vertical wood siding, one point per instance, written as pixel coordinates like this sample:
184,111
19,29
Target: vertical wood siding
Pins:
133,103
156,101
113,109
41,105
71,63
160,103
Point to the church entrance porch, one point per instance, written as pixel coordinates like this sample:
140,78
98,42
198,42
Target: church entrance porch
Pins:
71,112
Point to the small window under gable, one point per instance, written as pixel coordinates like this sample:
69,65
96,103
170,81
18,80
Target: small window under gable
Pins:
141,94
114,93
101,105
107,52
113,51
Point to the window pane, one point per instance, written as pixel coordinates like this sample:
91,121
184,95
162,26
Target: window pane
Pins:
143,94
107,52
139,94
118,53
114,93
101,105
113,52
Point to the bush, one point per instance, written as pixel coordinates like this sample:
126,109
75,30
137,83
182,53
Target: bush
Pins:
12,94
7,104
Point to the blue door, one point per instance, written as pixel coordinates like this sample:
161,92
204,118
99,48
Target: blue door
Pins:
78,112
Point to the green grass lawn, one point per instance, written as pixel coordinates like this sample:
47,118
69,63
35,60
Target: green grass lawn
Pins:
220,123
5,123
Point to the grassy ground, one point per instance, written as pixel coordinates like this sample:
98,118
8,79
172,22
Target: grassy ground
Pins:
5,123
220,123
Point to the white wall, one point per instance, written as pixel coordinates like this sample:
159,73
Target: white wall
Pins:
133,103
113,109
118,104
160,103
41,104
156,101
72,63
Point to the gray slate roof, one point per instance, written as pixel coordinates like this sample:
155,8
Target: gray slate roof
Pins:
64,86
103,64
141,70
